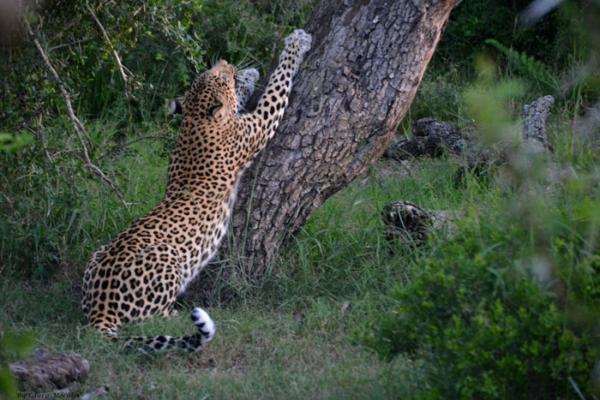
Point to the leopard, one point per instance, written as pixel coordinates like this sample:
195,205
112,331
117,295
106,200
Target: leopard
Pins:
141,272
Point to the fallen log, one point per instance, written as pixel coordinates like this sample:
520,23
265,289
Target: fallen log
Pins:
50,371
408,223
534,142
431,138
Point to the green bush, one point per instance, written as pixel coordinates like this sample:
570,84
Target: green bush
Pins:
551,40
491,330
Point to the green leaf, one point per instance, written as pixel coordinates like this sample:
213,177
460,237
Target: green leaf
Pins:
14,143
20,344
528,67
8,386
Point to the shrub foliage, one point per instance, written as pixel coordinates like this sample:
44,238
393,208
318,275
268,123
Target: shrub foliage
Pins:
492,330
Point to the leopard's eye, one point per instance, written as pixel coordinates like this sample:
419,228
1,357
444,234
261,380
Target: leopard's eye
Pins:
214,109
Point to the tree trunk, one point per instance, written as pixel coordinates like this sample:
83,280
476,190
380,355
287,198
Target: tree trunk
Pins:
356,84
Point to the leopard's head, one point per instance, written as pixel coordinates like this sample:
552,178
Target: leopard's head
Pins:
212,95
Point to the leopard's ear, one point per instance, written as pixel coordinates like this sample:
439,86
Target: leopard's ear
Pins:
175,107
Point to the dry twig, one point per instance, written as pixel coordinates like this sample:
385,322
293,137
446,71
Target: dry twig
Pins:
122,69
69,44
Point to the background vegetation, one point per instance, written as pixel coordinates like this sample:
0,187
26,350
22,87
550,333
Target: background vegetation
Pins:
506,309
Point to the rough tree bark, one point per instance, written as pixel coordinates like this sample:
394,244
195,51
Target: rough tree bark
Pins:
534,123
358,81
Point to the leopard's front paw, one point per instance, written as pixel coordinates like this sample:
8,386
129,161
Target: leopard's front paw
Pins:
245,83
247,77
298,43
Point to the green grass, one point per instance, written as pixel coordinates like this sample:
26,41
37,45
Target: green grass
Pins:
260,351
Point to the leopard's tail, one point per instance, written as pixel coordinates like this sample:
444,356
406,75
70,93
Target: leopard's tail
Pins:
191,343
